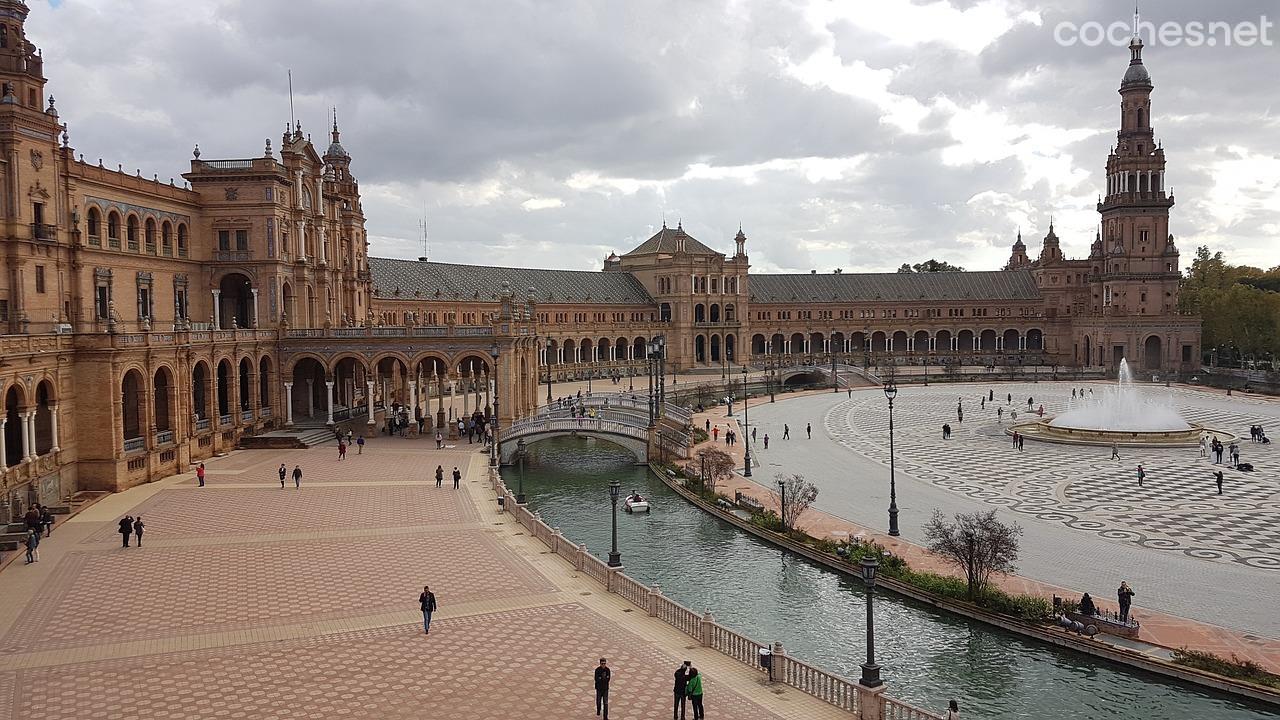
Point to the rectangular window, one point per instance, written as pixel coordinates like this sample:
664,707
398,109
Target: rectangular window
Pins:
270,194
242,239
144,302
224,240
1186,353
102,302
4,311
271,236
39,278
1142,237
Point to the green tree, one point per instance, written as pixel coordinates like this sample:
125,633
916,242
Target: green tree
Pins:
1239,304
929,266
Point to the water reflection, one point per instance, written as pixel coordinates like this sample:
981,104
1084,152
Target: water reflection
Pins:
927,657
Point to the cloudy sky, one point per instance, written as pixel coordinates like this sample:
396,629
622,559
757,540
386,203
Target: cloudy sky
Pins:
850,134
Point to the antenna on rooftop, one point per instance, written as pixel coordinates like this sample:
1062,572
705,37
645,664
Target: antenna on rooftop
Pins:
1135,19
422,225
291,118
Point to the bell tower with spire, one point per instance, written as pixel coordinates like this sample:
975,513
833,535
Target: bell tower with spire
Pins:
1140,265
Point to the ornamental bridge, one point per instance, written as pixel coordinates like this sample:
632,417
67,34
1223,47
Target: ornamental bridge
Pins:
619,418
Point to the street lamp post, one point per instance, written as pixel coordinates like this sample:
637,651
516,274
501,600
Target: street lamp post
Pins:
746,424
493,446
890,392
520,486
615,559
548,384
729,397
835,379
870,670
782,504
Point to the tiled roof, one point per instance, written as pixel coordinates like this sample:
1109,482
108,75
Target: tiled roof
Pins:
409,279
988,285
668,240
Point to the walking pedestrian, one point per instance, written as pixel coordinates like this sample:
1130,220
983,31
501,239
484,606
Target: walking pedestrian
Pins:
360,445
439,440
1235,455
953,709
715,434
1203,446
46,520
603,675
200,474
946,431
982,404
283,473
1022,441
681,684
850,393
766,441
708,425
1218,479
427,601
32,543
456,477
1125,595
297,476
694,689
999,414
126,529
753,434
1115,451
138,527
1008,399
1141,474
991,395
439,476
786,431
959,414
342,450
808,430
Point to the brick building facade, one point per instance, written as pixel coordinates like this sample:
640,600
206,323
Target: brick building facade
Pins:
146,323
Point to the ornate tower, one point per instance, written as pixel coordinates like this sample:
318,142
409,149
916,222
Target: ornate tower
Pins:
1018,257
1140,269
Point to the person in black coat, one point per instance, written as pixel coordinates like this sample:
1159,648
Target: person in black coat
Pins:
427,601
1087,607
456,477
439,476
682,680
138,527
126,529
1125,596
602,677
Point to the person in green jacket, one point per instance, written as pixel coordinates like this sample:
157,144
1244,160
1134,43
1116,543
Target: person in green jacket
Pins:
694,689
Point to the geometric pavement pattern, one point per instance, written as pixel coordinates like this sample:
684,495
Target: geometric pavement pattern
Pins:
1177,509
171,591
412,461
270,510
528,663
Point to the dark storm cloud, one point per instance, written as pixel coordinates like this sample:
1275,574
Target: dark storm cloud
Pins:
553,132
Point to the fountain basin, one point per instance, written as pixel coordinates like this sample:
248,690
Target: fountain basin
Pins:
1043,430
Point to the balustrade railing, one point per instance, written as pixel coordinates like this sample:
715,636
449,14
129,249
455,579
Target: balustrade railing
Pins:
823,685
246,414
819,683
264,412
135,444
202,424
164,437
891,709
224,420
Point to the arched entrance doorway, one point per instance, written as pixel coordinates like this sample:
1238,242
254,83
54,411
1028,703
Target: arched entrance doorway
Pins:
1152,358
235,302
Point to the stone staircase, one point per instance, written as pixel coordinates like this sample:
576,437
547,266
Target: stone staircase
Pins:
291,439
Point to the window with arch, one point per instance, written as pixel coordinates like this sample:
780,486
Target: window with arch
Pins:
149,234
131,231
95,226
113,230
182,240
166,239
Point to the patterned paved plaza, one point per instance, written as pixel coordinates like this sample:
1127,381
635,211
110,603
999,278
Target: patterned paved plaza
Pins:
249,601
1188,551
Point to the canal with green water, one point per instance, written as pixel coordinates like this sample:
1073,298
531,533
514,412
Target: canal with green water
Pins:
927,657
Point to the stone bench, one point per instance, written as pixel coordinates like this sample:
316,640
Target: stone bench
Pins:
1109,624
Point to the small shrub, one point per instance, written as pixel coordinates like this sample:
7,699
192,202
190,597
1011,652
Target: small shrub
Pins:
769,520
700,436
1246,670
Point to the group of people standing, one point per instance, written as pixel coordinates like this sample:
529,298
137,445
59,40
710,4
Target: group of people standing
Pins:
686,691
130,525
39,522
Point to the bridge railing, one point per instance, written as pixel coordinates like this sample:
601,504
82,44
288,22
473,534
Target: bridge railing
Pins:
530,426
637,401
826,686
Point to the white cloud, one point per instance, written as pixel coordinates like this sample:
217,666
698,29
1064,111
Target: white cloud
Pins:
542,203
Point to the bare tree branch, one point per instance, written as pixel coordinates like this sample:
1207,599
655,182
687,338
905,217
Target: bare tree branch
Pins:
977,543
794,497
